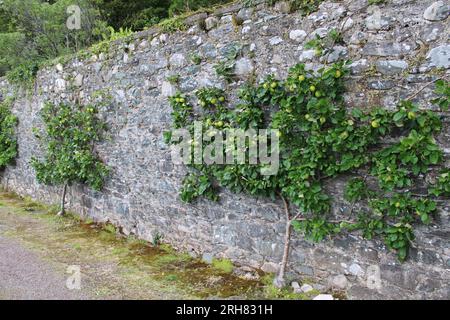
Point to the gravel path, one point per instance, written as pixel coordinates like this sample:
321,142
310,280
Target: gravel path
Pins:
36,249
25,275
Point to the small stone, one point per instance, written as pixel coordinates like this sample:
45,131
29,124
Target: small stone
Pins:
359,66
270,267
318,17
154,42
226,19
60,85
339,282
319,287
246,29
306,288
320,32
295,285
79,80
437,11
432,32
143,44
177,60
323,297
339,52
388,49
358,37
167,89
245,14
297,35
380,84
307,55
163,38
377,22
120,95
244,67
347,24
440,56
356,270
275,41
390,67
283,7
211,22
277,59
207,257
59,67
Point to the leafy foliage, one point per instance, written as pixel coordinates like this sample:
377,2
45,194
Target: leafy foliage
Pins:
225,67
324,45
320,140
356,190
442,185
195,186
35,31
173,24
23,74
305,7
69,138
133,14
443,90
8,142
375,2
181,6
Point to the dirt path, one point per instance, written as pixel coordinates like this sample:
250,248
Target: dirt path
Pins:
25,275
36,248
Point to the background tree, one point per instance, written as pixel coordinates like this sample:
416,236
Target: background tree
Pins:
70,135
181,6
133,14
33,31
138,14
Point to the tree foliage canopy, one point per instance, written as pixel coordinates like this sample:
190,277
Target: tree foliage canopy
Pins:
32,31
69,138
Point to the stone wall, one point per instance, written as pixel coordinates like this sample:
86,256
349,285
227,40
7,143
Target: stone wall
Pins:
396,49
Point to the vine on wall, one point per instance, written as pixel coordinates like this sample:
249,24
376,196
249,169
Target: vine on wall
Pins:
320,140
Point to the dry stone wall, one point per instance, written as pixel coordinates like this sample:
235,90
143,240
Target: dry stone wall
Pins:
396,49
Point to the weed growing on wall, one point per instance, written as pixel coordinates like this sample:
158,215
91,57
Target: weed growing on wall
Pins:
321,140
69,138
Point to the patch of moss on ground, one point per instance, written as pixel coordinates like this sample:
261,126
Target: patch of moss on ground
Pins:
117,266
223,265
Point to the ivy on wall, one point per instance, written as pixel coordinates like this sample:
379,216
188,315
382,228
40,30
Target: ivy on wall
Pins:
321,140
